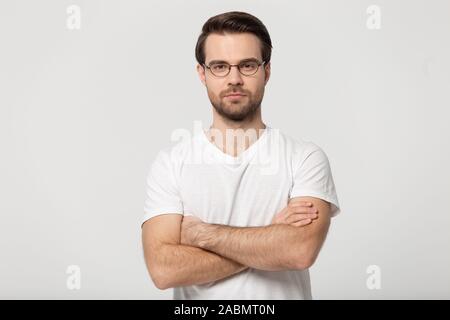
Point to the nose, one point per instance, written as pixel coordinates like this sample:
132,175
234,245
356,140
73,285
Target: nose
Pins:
235,77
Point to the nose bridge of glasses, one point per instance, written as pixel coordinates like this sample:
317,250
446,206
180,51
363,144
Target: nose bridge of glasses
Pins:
238,69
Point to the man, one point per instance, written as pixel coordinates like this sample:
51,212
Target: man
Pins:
241,223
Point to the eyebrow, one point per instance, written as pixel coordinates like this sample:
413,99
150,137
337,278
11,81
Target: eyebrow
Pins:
243,60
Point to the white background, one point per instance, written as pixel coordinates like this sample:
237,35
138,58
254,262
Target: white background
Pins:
84,112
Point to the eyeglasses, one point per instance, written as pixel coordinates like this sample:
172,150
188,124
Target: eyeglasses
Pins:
222,69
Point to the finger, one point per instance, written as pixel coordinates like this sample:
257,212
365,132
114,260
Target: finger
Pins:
293,200
302,223
301,209
300,203
301,216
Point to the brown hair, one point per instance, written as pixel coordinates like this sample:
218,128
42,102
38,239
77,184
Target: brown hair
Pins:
234,22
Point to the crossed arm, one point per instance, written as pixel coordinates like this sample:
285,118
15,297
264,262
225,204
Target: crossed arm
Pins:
179,253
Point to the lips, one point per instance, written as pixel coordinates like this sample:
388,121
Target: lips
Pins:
237,94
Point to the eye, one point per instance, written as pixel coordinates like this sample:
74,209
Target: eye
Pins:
249,65
219,67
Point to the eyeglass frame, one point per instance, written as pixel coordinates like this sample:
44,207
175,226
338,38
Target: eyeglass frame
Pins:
237,66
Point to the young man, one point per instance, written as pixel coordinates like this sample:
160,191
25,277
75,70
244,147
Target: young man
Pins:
223,222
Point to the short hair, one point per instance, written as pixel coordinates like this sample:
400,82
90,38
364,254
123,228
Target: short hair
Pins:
234,22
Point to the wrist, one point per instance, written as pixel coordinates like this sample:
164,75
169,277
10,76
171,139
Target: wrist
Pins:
206,233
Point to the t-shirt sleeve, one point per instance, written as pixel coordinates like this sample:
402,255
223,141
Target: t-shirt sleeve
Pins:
162,194
313,178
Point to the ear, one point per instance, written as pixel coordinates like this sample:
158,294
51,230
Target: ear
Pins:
201,73
267,72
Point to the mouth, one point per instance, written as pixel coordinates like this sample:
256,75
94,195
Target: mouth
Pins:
235,95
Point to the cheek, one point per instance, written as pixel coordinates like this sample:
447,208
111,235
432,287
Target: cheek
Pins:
261,81
257,87
214,93
214,88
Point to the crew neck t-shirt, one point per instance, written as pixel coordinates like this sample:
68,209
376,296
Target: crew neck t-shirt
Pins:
195,177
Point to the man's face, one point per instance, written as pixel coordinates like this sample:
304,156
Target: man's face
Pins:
233,48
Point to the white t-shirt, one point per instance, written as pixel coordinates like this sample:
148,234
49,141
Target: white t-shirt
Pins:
194,177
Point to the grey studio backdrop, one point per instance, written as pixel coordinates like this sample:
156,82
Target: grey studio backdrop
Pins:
85,110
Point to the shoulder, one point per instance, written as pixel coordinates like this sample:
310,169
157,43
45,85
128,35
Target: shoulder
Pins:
179,150
297,148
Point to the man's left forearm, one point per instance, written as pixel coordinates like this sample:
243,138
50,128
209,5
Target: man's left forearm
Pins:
273,248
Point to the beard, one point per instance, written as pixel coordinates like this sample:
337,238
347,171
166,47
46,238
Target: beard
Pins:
237,109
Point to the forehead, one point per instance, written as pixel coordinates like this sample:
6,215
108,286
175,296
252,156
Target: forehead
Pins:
232,47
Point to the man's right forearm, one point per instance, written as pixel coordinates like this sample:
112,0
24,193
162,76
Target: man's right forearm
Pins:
181,265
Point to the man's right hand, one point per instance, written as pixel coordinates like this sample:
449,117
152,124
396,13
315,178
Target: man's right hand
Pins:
296,213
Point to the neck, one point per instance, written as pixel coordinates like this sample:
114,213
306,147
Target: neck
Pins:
224,125
254,122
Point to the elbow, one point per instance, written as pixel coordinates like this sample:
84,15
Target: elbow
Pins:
160,273
305,260
162,285
304,263
160,281
159,278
